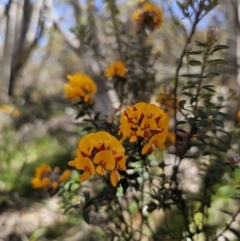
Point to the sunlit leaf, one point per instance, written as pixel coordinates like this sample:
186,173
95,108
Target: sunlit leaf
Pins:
215,61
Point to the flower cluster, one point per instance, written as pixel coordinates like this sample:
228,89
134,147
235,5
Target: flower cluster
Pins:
46,178
146,123
99,152
148,16
80,86
117,68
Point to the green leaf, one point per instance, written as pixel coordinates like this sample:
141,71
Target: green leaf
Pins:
195,52
222,114
188,87
80,114
206,96
187,94
193,100
219,47
227,212
209,89
235,232
181,104
191,75
218,122
225,191
211,75
181,122
215,61
194,63
203,123
85,216
200,44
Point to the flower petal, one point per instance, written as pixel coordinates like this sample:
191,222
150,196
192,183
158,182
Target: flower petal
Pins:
114,177
85,176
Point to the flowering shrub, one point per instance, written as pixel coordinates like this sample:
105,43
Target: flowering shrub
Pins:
130,150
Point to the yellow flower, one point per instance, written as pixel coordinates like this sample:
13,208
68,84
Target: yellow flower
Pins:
99,152
46,178
148,16
117,68
80,86
146,123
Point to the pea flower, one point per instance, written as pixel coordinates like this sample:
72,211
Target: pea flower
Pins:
98,153
146,123
80,86
148,16
117,68
46,178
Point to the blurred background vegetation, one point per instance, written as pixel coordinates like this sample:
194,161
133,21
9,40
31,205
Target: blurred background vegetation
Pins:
41,41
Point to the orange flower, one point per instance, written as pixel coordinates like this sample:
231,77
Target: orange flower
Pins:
146,123
97,153
148,16
80,86
117,68
46,178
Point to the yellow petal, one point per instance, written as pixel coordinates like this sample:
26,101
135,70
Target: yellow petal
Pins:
100,170
121,165
85,176
146,148
114,177
106,159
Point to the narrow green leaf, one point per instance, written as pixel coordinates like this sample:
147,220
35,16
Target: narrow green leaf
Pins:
235,232
200,44
219,47
203,123
85,216
227,212
187,94
206,96
190,75
188,87
181,122
195,52
218,122
194,63
193,100
215,61
209,89
80,114
211,75
181,104
222,114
